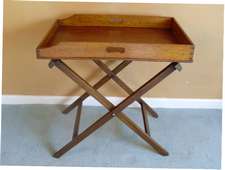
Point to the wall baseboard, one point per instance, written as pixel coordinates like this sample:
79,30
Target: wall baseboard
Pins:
90,101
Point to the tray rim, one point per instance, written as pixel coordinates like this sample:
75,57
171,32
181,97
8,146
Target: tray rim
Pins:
60,22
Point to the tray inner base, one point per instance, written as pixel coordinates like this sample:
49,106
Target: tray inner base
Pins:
113,34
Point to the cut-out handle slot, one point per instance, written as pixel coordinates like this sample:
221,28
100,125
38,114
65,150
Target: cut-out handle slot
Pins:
115,49
117,20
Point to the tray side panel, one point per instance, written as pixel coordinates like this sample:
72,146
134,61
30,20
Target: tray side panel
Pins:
179,33
49,36
118,21
122,51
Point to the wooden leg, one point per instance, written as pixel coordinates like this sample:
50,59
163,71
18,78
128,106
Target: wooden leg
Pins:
142,134
100,122
114,110
124,86
97,85
145,119
77,121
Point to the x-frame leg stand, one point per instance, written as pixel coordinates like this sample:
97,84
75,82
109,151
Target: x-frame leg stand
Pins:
113,110
111,75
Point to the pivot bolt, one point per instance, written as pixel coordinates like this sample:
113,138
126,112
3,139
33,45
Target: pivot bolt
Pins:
178,67
51,64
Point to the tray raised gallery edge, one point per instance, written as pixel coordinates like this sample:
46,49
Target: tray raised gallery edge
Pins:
119,37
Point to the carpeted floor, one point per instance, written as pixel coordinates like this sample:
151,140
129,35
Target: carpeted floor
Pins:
31,134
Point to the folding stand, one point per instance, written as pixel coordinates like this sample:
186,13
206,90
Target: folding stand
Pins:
114,111
115,37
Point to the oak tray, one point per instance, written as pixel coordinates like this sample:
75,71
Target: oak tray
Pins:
125,37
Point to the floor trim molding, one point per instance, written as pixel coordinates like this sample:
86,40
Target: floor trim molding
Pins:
90,101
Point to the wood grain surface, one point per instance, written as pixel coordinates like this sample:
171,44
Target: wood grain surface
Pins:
146,38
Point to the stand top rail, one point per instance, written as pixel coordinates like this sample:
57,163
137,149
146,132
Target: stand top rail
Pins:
119,37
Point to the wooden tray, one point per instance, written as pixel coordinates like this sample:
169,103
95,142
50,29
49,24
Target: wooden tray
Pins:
151,38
